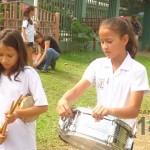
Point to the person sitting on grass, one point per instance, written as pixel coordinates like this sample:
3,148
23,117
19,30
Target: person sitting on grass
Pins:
48,52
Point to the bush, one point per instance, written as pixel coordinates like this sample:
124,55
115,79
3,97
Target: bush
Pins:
82,34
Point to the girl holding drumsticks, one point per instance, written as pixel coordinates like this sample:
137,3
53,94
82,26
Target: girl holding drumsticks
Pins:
17,78
120,80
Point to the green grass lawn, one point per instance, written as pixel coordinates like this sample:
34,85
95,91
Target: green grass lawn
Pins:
70,68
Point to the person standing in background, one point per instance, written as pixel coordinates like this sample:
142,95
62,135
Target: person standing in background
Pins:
137,27
28,31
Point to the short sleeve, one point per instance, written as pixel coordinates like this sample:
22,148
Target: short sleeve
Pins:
36,89
25,23
140,81
90,72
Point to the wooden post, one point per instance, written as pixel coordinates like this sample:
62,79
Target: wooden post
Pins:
56,30
146,24
6,19
114,8
94,44
36,12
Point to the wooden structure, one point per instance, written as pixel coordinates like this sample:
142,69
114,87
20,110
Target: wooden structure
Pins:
12,15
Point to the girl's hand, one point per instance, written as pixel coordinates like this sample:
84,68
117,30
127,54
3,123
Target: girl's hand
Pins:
2,138
26,41
99,112
10,117
35,64
63,108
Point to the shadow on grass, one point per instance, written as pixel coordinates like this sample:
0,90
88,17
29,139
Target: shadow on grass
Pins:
61,75
82,57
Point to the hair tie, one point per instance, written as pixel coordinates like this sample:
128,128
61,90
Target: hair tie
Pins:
25,9
122,18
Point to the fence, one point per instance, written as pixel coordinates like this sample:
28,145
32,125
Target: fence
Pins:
71,9
11,16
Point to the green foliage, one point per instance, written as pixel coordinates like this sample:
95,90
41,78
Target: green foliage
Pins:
133,7
82,34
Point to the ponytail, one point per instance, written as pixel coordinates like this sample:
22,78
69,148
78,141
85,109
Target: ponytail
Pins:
37,35
131,46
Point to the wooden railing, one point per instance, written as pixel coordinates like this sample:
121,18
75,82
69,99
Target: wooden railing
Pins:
11,15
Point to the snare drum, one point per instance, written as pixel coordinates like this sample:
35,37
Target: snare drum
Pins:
83,132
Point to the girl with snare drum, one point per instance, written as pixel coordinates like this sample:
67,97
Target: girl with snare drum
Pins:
120,80
17,78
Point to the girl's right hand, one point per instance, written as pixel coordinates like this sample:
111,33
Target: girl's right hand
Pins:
26,41
63,108
2,138
10,117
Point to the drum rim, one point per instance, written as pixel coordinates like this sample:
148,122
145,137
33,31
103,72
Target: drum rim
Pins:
89,111
124,125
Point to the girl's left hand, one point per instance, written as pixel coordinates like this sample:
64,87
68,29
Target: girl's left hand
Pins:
35,64
99,112
2,138
10,117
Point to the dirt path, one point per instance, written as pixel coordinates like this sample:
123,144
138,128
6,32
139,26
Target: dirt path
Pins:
145,54
142,142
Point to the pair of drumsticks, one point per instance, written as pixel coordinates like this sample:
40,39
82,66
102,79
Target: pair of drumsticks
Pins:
12,109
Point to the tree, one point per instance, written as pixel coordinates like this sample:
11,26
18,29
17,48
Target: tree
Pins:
132,7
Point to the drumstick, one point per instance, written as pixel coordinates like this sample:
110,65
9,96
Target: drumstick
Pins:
4,127
12,109
17,103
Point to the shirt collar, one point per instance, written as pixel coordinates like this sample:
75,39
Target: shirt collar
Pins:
126,64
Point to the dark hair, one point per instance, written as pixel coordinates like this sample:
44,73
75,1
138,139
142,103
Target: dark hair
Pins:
37,35
26,13
13,38
122,26
134,18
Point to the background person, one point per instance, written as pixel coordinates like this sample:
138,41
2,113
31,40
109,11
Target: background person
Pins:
48,52
136,26
28,31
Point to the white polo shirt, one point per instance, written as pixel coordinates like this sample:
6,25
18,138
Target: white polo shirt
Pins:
29,30
20,135
113,89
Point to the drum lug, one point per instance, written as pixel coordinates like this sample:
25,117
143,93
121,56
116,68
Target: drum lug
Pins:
73,126
65,124
69,123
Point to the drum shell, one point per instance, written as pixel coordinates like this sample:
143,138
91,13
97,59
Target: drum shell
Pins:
83,132
28,102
